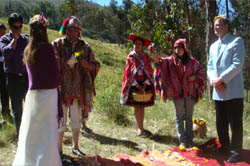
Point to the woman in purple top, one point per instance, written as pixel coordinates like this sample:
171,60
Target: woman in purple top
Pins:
37,145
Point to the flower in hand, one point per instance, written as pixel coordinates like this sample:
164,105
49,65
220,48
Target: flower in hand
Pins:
192,78
77,54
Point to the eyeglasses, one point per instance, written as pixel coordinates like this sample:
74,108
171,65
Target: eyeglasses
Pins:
17,27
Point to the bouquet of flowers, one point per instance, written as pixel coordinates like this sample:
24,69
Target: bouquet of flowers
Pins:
200,127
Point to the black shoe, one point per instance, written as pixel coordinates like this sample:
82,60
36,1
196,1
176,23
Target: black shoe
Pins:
234,158
78,152
146,133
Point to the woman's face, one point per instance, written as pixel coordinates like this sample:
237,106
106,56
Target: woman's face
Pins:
138,46
179,51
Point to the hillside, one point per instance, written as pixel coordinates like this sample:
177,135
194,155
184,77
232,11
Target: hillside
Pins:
114,125
29,2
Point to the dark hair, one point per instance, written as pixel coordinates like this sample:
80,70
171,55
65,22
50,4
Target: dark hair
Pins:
38,35
185,58
2,26
138,38
14,17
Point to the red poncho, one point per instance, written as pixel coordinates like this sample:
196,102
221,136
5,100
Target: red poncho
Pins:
172,78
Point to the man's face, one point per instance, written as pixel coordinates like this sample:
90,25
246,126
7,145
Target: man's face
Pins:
220,29
73,33
2,31
16,27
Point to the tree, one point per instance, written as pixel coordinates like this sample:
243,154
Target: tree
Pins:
211,7
188,25
113,6
241,27
72,6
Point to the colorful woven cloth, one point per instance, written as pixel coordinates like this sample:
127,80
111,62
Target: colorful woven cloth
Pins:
196,156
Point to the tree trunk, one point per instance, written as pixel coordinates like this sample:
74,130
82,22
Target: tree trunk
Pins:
211,7
188,25
227,9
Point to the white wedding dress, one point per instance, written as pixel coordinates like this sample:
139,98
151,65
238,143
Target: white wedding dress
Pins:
38,136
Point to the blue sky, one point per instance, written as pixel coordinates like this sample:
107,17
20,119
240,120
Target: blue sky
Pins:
106,3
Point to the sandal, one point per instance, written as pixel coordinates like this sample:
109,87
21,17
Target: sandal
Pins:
78,152
139,132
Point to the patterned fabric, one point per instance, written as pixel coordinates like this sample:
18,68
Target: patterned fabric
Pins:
134,63
77,82
172,78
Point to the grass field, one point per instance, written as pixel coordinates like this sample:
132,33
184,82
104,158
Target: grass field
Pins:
113,125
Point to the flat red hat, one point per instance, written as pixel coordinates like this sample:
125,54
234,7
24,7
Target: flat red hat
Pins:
132,37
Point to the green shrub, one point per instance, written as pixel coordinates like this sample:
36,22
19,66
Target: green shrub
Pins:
7,134
108,103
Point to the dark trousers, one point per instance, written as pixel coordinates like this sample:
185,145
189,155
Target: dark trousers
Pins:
4,93
17,88
230,113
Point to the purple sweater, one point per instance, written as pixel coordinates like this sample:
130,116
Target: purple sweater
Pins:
44,73
13,58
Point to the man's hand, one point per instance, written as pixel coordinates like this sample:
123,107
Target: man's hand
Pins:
219,84
85,64
221,87
16,34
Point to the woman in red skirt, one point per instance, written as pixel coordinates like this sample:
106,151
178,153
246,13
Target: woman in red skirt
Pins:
138,83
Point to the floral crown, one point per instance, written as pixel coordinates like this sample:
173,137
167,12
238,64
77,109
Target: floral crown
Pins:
40,19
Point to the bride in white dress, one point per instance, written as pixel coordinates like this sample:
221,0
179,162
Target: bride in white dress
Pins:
38,136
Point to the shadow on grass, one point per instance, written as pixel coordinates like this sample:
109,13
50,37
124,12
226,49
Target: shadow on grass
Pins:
112,141
165,139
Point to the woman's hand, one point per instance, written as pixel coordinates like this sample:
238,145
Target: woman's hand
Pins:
152,51
140,88
192,78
